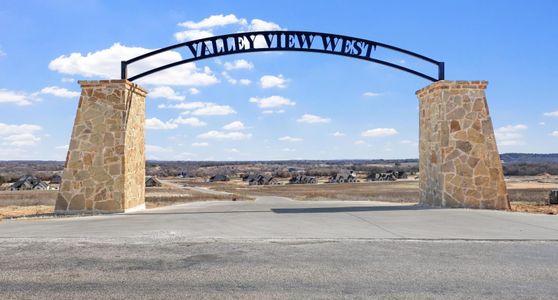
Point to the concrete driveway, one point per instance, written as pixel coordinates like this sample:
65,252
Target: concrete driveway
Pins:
275,248
281,218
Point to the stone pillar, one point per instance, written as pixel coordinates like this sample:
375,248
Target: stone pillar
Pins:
105,164
459,161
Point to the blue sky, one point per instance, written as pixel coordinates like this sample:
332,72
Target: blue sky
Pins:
276,105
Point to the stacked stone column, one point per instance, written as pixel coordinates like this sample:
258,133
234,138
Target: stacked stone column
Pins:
105,164
459,161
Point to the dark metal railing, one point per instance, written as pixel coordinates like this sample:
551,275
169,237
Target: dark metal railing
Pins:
305,41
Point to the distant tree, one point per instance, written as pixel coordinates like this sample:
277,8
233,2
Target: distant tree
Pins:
2,180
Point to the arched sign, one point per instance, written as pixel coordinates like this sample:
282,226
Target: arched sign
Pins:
304,41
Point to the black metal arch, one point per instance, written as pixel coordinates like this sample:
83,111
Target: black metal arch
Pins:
245,42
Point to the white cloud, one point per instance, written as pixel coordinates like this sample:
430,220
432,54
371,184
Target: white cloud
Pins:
270,81
192,35
202,108
200,144
59,92
272,101
185,106
157,124
2,53
165,92
551,114
232,150
510,135
236,125
7,129
542,123
379,132
220,135
371,94
554,133
203,28
17,98
311,119
154,123
244,81
338,134
238,64
67,80
261,25
193,91
193,121
19,135
62,147
214,21
290,139
24,139
288,150
106,64
212,109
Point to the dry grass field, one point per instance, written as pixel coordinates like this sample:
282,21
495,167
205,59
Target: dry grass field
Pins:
397,191
528,194
163,196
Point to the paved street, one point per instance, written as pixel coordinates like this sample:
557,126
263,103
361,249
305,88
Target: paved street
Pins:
275,247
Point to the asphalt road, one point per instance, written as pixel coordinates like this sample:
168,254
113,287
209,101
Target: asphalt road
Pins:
275,248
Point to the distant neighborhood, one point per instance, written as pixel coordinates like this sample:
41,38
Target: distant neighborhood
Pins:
47,175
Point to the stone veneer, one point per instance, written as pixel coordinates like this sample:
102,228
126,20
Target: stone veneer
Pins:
459,161
105,164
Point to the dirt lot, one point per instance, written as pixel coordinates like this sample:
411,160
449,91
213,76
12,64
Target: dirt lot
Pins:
527,194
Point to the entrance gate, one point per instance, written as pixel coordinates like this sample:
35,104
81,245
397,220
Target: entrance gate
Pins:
458,157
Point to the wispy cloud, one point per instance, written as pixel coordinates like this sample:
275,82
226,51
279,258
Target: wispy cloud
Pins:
15,97
220,135
272,101
312,119
379,132
166,92
201,108
510,135
59,92
236,125
238,64
271,81
290,139
155,123
371,94
338,134
19,135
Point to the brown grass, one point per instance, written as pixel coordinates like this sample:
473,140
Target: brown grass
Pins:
19,211
164,196
27,198
401,191
535,208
